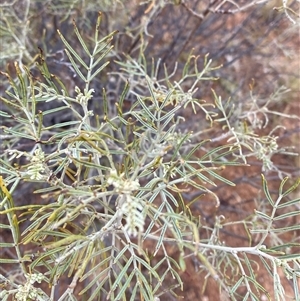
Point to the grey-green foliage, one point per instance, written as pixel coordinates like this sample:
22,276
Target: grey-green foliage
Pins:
114,183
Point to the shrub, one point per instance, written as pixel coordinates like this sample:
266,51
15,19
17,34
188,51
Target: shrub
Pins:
113,181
